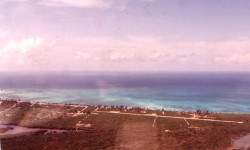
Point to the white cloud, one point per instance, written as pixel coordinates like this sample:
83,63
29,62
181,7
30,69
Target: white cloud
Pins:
148,0
14,51
148,50
80,55
22,46
85,56
1,16
235,58
133,48
3,33
158,55
77,3
14,0
131,52
119,56
119,5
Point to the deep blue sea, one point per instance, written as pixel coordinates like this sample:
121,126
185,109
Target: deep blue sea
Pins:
213,91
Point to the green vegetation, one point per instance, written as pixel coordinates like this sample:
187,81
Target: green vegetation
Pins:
117,131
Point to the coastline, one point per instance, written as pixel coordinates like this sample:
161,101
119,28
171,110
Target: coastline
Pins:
156,107
87,120
215,92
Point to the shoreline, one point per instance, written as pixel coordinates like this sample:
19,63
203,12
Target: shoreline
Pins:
175,99
79,104
90,120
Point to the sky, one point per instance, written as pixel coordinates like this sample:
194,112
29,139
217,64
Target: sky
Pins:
124,35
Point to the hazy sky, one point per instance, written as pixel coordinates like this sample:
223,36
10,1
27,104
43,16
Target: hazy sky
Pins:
124,35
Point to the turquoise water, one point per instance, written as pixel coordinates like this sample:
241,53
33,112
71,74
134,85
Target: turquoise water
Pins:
213,92
144,97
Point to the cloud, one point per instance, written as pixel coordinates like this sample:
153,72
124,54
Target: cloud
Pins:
132,48
24,45
119,56
15,51
14,0
78,3
235,58
158,55
1,16
85,56
120,5
147,51
148,0
127,52
3,33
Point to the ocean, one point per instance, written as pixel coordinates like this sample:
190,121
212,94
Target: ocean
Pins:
188,91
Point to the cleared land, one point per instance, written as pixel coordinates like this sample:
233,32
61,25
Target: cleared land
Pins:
102,127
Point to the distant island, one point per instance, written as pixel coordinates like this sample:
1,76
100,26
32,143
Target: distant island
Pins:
36,125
